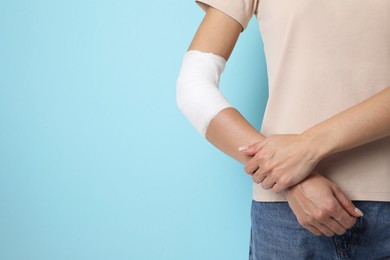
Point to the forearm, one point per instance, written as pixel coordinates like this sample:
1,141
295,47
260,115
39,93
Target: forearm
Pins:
229,130
285,160
360,124
317,203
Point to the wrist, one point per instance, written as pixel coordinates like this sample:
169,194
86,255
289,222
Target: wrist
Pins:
287,192
297,188
320,143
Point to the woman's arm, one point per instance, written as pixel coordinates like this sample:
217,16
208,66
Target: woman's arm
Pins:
360,124
284,160
218,34
228,130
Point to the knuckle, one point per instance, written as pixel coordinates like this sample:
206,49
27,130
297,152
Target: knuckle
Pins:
265,169
316,233
341,231
281,186
265,186
260,156
329,234
313,230
321,215
284,182
350,205
268,166
303,222
277,188
309,219
335,186
331,206
350,223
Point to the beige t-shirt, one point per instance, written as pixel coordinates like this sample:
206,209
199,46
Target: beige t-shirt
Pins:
323,57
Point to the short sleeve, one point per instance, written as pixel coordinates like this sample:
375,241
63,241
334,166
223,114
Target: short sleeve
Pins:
240,10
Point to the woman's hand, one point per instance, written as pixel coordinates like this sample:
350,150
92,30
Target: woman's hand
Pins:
281,161
321,207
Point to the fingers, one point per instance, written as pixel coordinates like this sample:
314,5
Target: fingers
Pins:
335,227
330,213
346,212
259,174
246,150
323,223
251,166
323,217
325,230
320,206
254,163
252,149
333,216
268,182
280,186
346,203
257,166
314,230
321,220
310,223
258,178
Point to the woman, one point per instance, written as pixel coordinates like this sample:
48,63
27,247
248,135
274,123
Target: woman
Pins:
325,137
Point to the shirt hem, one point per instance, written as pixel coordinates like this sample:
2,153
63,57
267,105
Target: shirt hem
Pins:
352,195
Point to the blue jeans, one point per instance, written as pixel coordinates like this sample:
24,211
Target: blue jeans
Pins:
276,234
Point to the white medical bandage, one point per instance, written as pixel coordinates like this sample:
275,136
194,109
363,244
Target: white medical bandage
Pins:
197,92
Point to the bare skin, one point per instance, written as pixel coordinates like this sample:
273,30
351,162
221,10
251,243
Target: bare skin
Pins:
281,161
329,214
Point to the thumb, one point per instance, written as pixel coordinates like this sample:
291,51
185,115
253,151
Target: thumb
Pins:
248,150
252,149
347,203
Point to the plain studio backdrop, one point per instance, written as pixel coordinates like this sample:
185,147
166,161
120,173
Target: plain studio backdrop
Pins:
96,161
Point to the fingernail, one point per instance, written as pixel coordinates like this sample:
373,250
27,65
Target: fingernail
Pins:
358,211
243,148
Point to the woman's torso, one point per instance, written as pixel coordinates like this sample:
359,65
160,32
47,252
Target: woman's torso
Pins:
323,57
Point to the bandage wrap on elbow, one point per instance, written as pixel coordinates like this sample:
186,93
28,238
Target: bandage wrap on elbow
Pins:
197,92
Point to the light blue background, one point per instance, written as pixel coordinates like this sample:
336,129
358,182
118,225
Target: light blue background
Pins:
96,161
